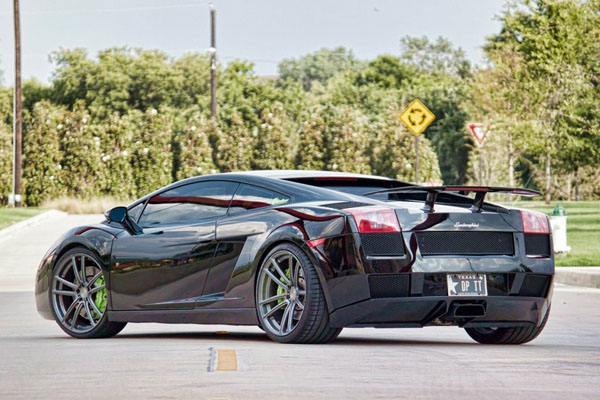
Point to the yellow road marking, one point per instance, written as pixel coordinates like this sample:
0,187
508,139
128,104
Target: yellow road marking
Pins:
226,360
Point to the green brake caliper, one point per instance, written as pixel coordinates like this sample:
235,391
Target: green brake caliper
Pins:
279,288
100,299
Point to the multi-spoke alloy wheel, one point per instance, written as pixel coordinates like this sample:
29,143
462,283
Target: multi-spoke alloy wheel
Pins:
282,293
78,294
290,302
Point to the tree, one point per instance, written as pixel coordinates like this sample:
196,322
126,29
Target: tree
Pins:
555,41
192,73
319,66
438,57
69,80
34,91
496,99
387,72
389,82
122,79
392,151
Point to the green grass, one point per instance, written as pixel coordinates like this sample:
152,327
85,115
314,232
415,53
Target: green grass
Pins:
583,230
9,216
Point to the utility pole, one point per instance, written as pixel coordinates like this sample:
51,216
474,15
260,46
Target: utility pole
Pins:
213,64
17,111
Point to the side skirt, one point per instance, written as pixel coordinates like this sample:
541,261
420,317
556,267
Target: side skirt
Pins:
226,316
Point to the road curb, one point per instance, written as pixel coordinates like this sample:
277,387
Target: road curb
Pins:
18,226
578,276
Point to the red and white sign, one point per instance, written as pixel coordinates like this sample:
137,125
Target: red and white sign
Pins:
478,131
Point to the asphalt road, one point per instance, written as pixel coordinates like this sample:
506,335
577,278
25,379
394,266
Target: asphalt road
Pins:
153,361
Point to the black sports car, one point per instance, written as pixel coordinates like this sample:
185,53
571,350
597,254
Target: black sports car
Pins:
303,254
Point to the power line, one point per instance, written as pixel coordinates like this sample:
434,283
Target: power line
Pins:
109,10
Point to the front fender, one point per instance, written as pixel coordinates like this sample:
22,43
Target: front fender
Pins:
93,238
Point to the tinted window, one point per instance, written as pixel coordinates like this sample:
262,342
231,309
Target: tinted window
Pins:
360,190
249,197
189,203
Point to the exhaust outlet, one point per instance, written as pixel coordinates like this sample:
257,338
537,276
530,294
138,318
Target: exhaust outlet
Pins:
469,310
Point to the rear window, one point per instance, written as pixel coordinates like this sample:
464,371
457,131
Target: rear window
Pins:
360,190
355,186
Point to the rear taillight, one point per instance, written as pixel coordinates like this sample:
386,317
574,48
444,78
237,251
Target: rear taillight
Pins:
535,222
375,219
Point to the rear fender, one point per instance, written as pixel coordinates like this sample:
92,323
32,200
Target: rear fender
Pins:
293,233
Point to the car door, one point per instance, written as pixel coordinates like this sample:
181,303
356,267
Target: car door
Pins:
166,266
247,218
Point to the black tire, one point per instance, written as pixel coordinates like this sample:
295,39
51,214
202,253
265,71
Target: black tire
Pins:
103,328
313,326
515,335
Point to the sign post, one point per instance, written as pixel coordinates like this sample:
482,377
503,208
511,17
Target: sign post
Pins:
417,117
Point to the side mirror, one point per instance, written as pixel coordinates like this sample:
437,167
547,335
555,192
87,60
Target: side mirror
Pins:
120,216
117,214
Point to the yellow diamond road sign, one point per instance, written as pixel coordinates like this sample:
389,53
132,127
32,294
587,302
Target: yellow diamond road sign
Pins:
417,117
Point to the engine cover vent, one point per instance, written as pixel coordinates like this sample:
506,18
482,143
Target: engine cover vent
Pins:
466,243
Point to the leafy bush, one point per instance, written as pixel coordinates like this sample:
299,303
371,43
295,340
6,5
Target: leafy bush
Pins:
191,147
82,155
131,121
6,154
234,146
43,174
272,140
114,137
152,159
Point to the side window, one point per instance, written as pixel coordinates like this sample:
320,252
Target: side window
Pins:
189,203
249,197
135,211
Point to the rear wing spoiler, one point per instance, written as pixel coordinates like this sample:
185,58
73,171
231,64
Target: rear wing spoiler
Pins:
480,192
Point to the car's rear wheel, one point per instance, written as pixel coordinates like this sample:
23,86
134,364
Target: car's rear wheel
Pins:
289,299
78,296
511,335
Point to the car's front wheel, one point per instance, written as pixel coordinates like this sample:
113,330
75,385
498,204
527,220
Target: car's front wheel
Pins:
289,299
511,335
78,296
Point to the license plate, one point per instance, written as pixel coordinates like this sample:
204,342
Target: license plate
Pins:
467,285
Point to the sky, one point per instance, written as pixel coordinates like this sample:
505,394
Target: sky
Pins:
262,31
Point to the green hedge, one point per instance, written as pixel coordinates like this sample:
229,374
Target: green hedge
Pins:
129,122
72,153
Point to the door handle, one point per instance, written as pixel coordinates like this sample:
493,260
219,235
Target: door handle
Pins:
158,233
